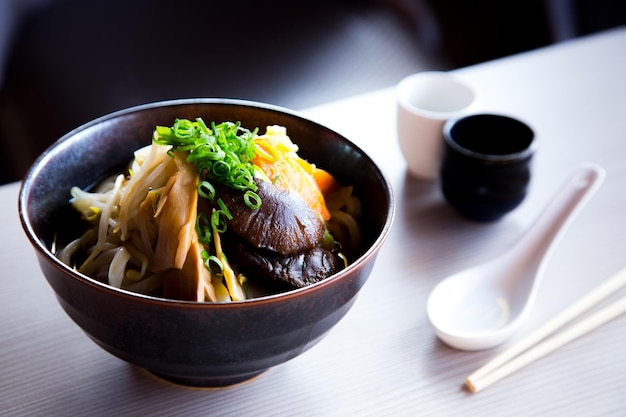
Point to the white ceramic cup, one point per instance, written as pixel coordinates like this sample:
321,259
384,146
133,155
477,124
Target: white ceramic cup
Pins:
425,101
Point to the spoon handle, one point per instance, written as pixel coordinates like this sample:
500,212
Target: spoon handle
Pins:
559,213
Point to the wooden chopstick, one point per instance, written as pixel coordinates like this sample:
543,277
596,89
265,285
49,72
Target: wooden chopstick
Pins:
513,359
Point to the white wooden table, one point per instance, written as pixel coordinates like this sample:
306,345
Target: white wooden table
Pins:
383,359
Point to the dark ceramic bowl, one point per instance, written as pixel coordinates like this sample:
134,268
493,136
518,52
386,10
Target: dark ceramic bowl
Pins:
199,344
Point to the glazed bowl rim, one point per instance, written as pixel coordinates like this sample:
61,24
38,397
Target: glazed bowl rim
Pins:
41,248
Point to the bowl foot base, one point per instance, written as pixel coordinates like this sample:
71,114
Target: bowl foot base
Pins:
207,382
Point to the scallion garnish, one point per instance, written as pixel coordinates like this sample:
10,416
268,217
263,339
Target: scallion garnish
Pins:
222,154
206,190
218,217
252,199
203,228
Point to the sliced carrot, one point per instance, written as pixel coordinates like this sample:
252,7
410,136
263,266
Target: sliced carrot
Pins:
325,181
288,171
287,174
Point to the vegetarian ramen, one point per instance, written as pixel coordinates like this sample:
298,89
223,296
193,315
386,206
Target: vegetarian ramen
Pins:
215,213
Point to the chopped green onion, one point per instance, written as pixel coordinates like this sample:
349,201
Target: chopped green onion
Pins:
203,228
252,199
222,154
217,217
224,209
221,169
211,260
206,190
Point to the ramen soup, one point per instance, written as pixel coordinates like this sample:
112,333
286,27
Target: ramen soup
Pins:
215,213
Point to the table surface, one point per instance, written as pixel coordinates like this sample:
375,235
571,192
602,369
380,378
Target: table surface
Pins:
383,358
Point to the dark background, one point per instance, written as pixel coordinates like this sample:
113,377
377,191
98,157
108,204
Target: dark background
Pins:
65,62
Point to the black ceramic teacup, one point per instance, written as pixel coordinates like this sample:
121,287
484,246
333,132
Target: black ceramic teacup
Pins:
486,165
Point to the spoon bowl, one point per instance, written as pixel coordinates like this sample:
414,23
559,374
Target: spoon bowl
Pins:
481,307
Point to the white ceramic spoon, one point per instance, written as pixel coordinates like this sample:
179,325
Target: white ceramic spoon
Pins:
481,307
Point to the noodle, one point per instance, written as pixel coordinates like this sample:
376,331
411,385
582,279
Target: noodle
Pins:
117,268
127,211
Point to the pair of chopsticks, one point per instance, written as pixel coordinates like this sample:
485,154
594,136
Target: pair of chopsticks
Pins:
533,346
